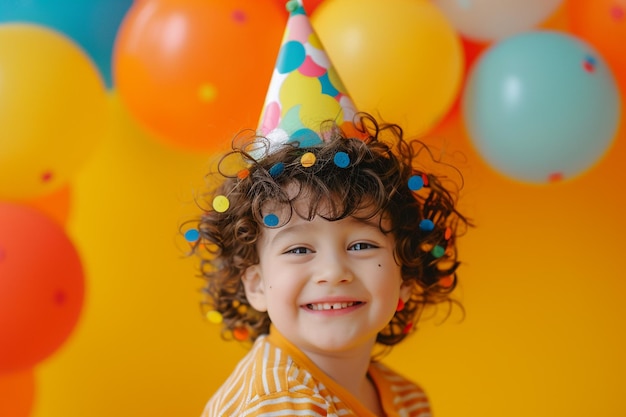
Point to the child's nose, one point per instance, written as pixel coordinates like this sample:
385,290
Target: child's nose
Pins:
334,271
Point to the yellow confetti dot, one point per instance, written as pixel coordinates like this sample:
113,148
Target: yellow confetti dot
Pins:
220,203
214,317
242,309
207,92
308,159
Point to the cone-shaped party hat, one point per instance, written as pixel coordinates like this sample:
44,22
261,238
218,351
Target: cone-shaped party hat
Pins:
305,89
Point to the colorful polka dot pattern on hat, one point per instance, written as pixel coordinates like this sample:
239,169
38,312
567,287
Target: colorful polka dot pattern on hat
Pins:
305,89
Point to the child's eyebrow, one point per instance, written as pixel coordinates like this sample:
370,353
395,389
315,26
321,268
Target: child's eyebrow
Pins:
302,228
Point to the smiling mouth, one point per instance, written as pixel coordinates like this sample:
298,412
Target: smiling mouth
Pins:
331,306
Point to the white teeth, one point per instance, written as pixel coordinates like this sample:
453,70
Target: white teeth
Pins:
330,306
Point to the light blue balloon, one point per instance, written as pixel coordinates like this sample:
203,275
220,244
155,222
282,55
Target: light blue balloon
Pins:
92,24
541,106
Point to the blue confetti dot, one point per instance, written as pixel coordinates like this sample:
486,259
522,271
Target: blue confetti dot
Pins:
192,235
292,54
270,220
416,182
427,225
341,159
277,169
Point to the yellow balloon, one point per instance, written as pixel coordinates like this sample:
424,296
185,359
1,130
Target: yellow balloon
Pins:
400,60
53,110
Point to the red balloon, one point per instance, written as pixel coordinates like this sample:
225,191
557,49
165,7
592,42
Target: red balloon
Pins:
195,72
41,286
17,392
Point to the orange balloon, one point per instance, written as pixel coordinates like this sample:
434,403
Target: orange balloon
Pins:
602,23
195,72
41,286
17,391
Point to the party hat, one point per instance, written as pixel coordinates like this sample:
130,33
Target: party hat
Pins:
305,89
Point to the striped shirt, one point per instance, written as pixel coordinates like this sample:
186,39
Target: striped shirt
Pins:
276,379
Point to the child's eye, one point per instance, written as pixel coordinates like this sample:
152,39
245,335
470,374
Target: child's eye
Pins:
362,246
299,251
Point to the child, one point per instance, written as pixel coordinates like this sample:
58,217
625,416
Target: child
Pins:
316,254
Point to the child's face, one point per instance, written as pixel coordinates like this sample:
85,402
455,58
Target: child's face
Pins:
307,267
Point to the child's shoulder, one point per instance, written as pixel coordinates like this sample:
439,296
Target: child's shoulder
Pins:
263,379
398,391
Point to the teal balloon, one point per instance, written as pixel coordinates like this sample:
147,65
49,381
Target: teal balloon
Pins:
541,106
92,24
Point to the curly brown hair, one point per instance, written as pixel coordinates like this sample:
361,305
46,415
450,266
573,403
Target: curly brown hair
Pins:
377,181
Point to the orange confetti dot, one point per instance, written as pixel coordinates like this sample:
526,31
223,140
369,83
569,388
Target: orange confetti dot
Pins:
243,174
446,282
241,333
448,233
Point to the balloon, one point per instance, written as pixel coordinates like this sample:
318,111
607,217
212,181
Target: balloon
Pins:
603,24
56,205
92,24
41,287
53,110
541,106
403,64
488,20
195,72
17,391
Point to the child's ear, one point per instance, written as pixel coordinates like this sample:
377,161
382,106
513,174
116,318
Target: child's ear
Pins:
405,290
255,290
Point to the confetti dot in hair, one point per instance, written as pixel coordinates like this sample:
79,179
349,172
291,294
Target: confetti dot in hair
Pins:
241,333
416,182
221,203
425,179
448,233
407,328
446,282
308,159
192,235
243,174
438,251
214,317
341,159
242,309
427,225
270,220
277,169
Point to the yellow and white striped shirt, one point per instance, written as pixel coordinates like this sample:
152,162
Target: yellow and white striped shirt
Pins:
276,379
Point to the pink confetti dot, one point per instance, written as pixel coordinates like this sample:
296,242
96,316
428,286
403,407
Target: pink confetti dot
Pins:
617,13
239,16
555,177
46,176
59,297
